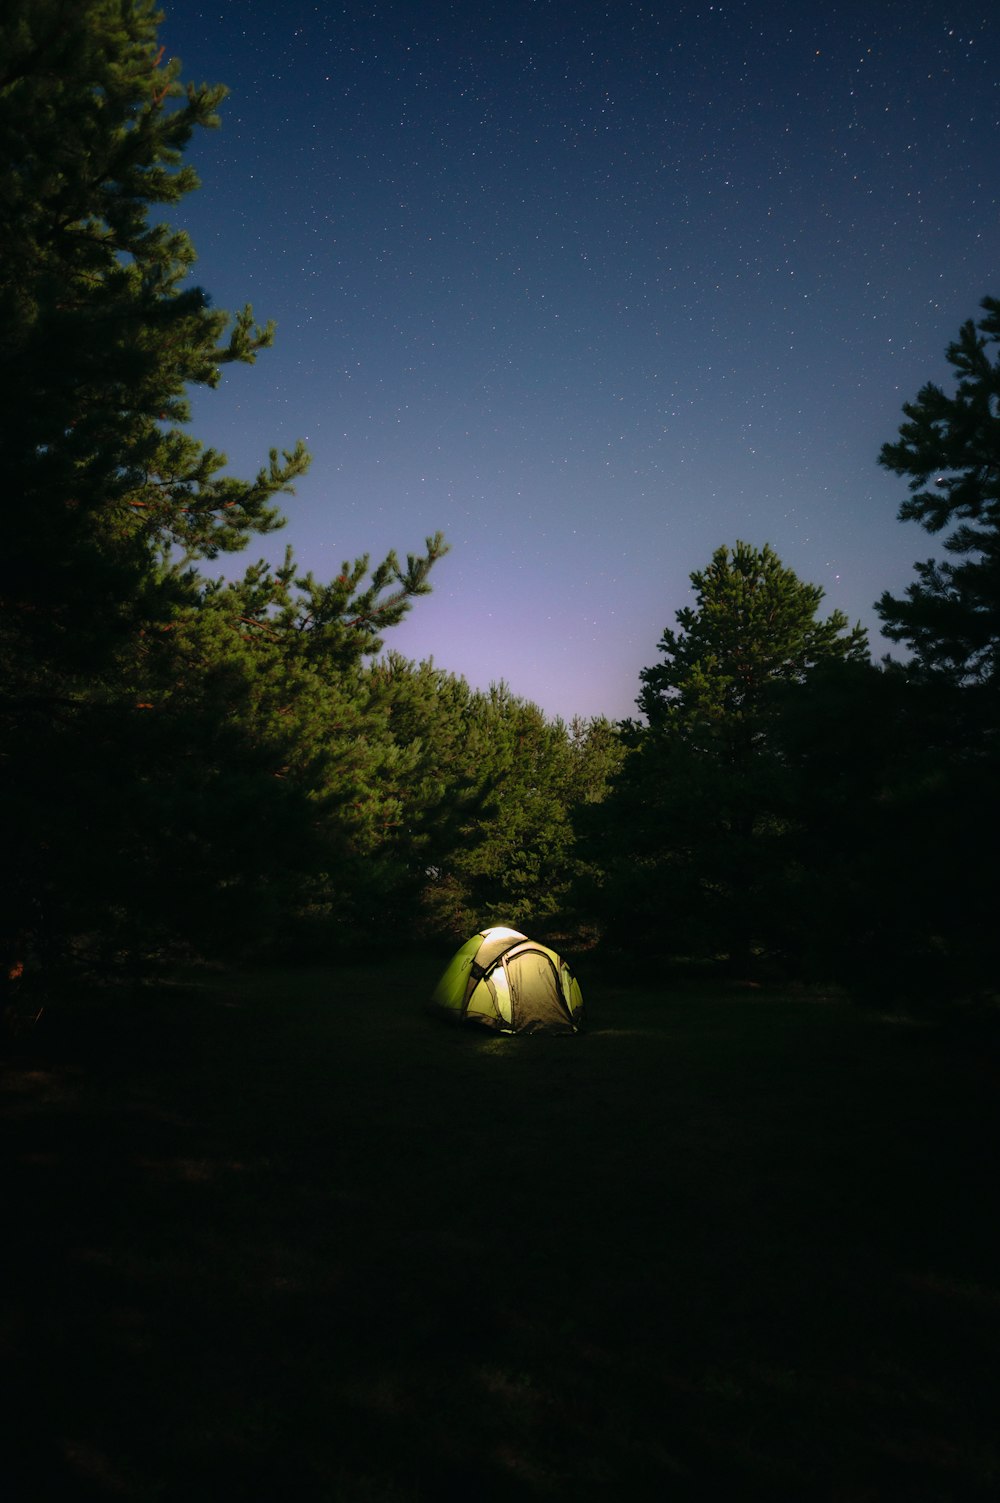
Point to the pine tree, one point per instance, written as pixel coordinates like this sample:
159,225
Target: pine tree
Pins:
753,626
147,712
949,448
940,885
110,500
487,786
695,827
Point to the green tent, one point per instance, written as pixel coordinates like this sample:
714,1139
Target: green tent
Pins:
500,979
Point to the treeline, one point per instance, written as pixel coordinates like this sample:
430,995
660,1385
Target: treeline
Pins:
226,764
236,765
787,801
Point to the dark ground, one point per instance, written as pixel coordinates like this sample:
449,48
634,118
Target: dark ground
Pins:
279,1236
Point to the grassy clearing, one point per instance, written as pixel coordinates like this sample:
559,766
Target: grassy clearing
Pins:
279,1235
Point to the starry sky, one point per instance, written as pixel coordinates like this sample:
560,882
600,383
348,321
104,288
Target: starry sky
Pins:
593,289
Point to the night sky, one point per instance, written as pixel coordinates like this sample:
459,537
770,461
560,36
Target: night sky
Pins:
592,289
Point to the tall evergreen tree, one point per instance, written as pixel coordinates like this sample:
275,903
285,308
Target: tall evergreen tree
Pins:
753,625
695,827
949,450
109,497
139,701
936,861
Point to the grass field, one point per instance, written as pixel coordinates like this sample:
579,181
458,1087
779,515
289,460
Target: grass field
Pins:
281,1236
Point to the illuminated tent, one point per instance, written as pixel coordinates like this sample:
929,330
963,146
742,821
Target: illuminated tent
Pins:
500,979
